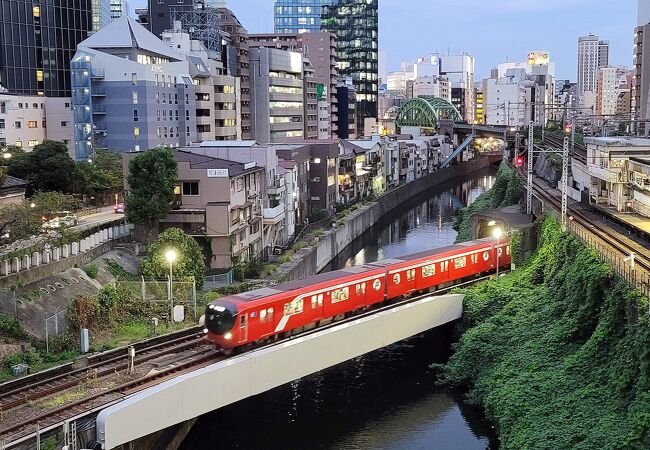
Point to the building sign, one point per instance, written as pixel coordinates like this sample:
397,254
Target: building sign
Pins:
156,68
538,58
249,165
218,173
320,91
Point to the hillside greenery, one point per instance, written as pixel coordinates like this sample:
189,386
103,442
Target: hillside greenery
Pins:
558,352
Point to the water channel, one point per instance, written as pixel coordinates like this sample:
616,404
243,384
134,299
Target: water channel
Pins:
381,401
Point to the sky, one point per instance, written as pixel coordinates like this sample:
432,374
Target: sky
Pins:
493,31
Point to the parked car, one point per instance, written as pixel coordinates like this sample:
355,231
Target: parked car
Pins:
119,208
61,219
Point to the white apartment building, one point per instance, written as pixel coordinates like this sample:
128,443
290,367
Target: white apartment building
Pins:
26,121
432,86
510,99
592,55
611,82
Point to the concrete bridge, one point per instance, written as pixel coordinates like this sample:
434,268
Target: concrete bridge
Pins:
140,421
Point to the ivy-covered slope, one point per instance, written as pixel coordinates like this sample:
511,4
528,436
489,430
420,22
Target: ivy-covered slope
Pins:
558,352
507,191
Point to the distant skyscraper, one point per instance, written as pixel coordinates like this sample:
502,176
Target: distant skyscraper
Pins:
641,79
592,55
101,13
37,43
119,8
299,16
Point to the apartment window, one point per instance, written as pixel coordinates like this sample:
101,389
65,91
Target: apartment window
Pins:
176,115
158,131
135,98
3,108
35,105
32,143
158,115
136,132
67,104
19,144
43,124
171,131
187,131
191,188
134,78
135,115
64,123
164,131
2,124
20,106
187,114
18,124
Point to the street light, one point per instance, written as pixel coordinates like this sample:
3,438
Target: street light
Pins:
170,256
497,234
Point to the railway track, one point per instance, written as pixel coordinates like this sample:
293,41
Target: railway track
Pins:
642,256
580,150
23,429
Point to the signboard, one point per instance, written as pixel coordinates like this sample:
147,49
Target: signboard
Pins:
249,165
538,58
320,91
218,173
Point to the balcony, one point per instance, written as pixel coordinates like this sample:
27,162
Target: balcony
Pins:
225,114
99,109
278,187
98,73
274,215
98,91
221,97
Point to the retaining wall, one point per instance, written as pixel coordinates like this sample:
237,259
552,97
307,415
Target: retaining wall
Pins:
310,261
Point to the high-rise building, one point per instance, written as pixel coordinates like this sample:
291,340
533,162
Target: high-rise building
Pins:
459,70
298,16
37,43
356,26
119,8
641,81
592,55
160,13
101,13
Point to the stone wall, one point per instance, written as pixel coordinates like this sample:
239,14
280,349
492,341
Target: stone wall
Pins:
51,260
310,261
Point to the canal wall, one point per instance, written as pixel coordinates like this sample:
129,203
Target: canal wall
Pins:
311,260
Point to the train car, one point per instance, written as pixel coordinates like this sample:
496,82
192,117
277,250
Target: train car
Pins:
266,314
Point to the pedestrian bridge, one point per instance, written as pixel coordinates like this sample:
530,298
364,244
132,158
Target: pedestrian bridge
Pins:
202,391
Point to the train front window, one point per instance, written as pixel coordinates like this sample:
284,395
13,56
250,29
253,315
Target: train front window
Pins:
219,319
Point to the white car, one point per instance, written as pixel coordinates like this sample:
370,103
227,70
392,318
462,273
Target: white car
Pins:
62,219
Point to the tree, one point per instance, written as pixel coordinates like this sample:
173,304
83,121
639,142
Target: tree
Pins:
189,263
48,168
152,175
23,220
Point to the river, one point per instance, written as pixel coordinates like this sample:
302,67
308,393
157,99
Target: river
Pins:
384,400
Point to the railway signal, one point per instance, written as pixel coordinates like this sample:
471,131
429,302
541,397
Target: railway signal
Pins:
520,161
568,128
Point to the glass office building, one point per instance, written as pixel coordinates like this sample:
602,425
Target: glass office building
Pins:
299,16
37,41
356,26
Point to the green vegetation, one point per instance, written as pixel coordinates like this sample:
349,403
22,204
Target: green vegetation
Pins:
152,175
507,191
558,352
48,167
91,270
189,263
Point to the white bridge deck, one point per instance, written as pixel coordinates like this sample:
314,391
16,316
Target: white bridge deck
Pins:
204,390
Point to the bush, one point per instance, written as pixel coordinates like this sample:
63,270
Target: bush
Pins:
11,328
557,352
318,214
91,270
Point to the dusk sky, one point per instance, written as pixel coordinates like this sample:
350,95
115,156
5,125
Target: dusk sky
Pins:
492,31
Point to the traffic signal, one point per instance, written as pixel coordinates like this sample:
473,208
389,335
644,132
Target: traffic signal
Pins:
520,161
568,128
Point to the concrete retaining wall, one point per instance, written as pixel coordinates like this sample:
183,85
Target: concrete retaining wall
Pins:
53,260
310,261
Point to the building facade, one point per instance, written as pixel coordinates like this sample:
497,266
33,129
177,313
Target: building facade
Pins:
592,55
101,14
641,82
131,92
298,16
119,8
355,23
37,41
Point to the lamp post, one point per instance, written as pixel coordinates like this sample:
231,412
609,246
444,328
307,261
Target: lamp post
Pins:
497,234
170,256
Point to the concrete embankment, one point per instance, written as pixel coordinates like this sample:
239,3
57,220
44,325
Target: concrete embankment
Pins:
309,261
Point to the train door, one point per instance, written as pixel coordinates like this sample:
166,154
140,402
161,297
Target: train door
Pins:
243,327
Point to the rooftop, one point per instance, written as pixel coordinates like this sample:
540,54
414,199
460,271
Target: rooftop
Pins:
618,141
197,161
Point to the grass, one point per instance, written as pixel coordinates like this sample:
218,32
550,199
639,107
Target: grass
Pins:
63,398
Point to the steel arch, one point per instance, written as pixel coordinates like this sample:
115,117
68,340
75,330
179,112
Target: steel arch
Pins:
424,112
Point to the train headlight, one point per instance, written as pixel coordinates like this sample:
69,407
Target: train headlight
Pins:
205,331
228,336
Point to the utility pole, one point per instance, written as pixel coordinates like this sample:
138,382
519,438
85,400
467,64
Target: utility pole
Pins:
529,173
573,134
565,182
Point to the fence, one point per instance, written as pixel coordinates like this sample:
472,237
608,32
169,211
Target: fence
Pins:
623,268
157,292
31,259
218,281
55,325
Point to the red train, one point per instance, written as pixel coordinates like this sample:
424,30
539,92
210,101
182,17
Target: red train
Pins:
273,312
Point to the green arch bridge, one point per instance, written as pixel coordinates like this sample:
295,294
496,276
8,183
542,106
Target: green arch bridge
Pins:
425,112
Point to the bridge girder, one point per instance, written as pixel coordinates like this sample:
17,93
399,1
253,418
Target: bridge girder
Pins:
425,112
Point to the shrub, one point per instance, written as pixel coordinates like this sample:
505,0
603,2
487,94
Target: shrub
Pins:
91,270
11,328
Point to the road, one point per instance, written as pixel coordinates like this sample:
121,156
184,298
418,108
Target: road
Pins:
105,215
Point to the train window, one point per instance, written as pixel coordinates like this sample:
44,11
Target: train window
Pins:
361,289
242,322
397,278
270,313
340,295
474,258
444,266
410,275
500,250
508,250
320,299
314,301
428,271
293,307
459,263
263,315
